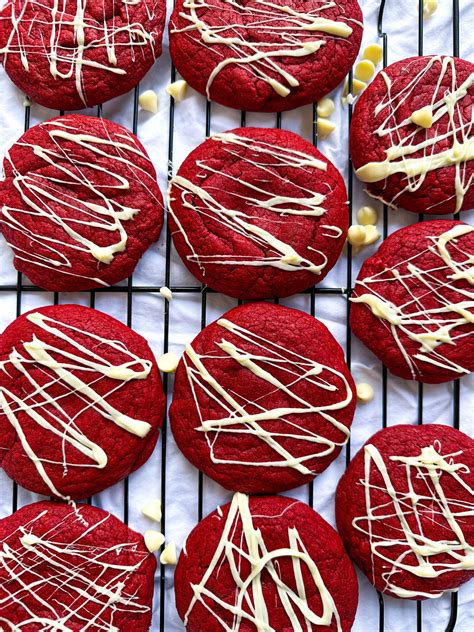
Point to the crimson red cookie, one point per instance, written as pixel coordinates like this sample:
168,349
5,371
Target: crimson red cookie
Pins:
263,399
73,55
79,204
410,137
412,304
265,55
265,563
256,213
81,402
404,509
71,569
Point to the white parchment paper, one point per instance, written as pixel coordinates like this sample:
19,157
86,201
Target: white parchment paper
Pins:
181,485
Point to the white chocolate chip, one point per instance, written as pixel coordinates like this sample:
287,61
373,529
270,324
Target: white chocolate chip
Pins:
169,556
29,539
365,393
357,87
153,540
166,293
374,52
148,101
152,510
356,235
371,235
364,70
429,7
367,215
423,117
325,107
325,127
177,89
168,362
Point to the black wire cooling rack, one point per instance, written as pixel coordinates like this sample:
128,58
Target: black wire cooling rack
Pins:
130,290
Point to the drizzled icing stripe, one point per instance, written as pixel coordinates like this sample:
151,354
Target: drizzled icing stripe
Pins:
419,550
201,200
430,326
49,412
89,35
302,35
236,420
249,590
39,193
76,573
457,141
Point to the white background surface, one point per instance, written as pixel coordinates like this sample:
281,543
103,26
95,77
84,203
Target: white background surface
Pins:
181,487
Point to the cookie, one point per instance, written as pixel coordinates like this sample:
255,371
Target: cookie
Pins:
79,204
81,402
79,54
257,213
410,135
265,563
70,569
264,55
404,510
412,303
263,399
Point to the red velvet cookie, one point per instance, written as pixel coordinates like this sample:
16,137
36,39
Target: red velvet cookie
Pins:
404,509
256,213
68,569
79,204
263,399
265,55
410,137
81,402
412,302
72,55
301,577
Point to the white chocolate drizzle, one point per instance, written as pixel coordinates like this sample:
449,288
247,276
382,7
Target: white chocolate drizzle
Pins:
62,366
302,34
420,553
75,573
249,606
406,139
89,35
53,202
276,252
430,319
235,418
